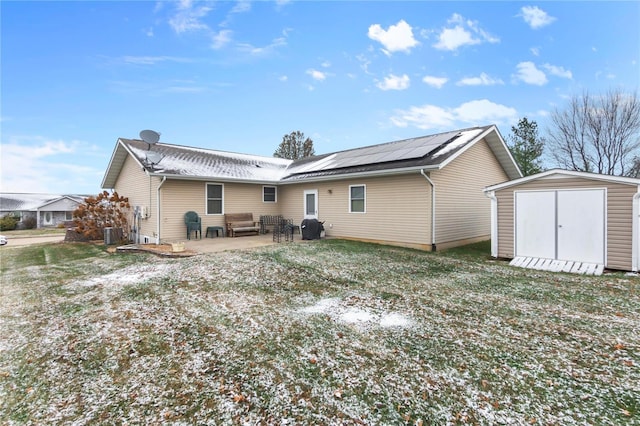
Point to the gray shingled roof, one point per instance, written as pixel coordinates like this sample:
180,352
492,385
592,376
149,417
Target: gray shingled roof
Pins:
182,162
11,201
186,161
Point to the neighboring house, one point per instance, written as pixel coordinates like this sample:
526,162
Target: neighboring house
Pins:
565,216
424,192
48,210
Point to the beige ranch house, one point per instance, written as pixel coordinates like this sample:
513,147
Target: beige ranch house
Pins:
424,192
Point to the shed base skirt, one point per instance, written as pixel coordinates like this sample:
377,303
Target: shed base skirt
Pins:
557,265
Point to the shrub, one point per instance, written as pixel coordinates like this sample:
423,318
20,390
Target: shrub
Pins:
30,223
8,223
100,212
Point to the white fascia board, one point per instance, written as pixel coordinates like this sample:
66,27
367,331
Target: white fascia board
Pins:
564,173
464,148
215,179
376,173
483,135
119,154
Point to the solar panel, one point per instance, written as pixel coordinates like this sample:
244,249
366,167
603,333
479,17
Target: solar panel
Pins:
394,151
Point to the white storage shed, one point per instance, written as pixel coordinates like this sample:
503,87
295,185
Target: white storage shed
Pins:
566,220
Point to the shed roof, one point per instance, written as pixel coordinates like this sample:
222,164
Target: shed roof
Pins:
426,152
564,173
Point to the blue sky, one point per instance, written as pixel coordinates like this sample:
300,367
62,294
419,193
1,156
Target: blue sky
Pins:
237,76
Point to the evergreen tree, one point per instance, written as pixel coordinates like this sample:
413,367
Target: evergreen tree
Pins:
527,146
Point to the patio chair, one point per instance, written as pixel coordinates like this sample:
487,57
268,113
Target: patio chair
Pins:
193,223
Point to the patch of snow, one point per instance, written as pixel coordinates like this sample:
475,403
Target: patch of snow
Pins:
344,311
322,306
356,315
464,137
131,275
394,319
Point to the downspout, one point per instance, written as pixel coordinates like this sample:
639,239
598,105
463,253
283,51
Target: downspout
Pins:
494,223
635,233
164,179
433,209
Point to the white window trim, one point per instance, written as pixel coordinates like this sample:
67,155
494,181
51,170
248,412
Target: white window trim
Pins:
206,199
275,188
364,199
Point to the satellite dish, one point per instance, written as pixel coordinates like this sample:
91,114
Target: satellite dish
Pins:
154,157
150,136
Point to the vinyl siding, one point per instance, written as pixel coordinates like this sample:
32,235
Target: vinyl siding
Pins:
397,209
141,190
180,196
463,211
619,215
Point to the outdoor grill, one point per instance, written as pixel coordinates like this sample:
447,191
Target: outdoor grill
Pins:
311,229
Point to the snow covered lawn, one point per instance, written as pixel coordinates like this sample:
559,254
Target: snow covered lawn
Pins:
328,332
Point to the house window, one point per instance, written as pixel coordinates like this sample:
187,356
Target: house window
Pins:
269,194
214,198
68,215
357,194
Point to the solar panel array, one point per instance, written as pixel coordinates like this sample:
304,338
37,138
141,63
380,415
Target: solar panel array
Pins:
408,149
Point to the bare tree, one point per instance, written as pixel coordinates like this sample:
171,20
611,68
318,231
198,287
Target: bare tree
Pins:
294,146
599,134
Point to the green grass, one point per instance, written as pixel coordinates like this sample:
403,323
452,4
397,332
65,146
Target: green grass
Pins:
19,233
326,332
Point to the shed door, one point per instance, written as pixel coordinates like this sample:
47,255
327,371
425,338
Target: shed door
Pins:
581,225
536,224
561,224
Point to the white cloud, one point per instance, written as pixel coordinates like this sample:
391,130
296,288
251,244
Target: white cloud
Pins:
188,17
433,81
558,71
482,80
528,73
536,17
37,164
317,75
265,50
325,64
483,111
424,117
535,51
221,39
394,82
364,63
464,32
241,6
152,60
398,38
477,112
283,78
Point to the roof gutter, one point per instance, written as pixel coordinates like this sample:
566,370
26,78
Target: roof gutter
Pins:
374,173
433,209
164,179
